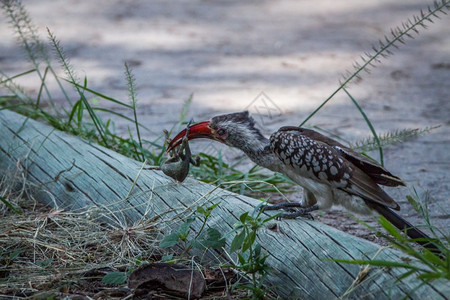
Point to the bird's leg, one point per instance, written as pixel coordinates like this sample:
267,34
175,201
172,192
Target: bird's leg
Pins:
308,200
284,205
291,213
296,209
301,212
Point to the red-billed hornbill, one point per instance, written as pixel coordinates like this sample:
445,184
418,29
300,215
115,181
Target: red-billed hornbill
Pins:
329,172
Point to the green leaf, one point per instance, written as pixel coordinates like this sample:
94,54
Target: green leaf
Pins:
237,241
379,263
405,275
372,129
214,234
257,250
10,206
73,111
44,263
210,209
413,203
167,257
241,259
183,231
15,254
201,210
213,206
80,111
429,276
169,241
390,228
99,94
212,239
272,217
197,244
248,241
216,244
263,259
243,217
433,258
115,278
138,261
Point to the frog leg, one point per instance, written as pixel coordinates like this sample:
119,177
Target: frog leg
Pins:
172,153
196,161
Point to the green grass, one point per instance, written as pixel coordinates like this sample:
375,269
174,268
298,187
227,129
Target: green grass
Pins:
214,170
421,263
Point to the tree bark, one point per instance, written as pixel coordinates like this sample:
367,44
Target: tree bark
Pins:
73,174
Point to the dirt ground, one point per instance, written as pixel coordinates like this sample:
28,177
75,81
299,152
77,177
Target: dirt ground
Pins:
278,59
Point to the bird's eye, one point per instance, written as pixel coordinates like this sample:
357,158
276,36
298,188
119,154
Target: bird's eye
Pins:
221,131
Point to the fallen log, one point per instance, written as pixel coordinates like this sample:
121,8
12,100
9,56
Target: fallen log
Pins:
74,174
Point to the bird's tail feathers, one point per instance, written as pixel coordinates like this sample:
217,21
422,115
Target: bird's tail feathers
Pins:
403,225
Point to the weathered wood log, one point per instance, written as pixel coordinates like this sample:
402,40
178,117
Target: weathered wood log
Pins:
74,174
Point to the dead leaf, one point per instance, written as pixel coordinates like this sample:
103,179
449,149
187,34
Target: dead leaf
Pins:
176,280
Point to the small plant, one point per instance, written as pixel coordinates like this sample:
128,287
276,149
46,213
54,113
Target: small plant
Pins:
424,263
7,258
119,278
251,259
10,206
115,278
211,238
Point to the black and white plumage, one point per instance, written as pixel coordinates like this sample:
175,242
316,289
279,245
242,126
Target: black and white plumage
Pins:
327,175
329,172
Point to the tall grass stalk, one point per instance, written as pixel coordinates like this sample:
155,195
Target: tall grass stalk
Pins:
369,123
384,47
34,48
73,78
132,96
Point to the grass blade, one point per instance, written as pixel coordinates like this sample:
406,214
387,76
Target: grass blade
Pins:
372,129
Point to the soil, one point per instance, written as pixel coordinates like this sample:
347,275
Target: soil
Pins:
278,59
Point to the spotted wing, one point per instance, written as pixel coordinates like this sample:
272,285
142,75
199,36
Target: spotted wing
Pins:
324,163
379,174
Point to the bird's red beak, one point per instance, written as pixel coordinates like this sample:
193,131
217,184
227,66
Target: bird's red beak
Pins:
196,131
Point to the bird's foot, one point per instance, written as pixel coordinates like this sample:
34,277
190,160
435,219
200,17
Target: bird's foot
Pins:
295,209
152,168
283,205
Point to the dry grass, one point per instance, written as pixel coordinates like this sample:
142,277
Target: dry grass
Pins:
48,253
56,245
45,249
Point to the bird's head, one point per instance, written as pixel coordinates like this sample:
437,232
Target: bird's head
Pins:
235,130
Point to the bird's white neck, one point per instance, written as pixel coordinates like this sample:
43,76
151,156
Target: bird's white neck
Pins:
258,150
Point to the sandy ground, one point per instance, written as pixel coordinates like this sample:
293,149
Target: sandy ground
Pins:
278,59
